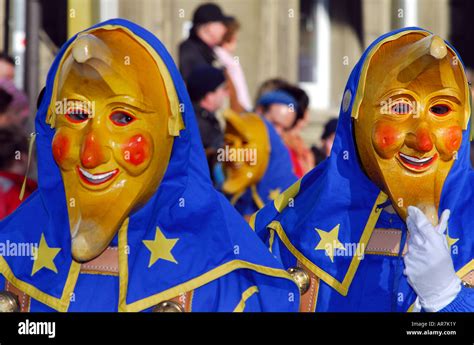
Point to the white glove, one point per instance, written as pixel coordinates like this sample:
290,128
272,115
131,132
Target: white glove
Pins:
428,264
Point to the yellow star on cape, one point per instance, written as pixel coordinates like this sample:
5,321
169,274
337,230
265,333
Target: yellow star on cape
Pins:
274,193
160,248
451,241
329,241
45,257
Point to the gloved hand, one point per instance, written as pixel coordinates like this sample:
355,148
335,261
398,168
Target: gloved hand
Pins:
428,264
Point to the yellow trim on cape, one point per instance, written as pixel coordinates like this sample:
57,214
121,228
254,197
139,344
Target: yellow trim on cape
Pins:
189,285
59,304
271,240
466,269
258,201
341,287
252,221
236,197
195,283
363,74
284,198
175,123
245,296
410,309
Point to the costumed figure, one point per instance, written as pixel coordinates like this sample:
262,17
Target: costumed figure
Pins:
385,222
125,217
257,166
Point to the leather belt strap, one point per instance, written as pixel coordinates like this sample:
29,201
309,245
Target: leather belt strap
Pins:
309,298
105,263
23,299
469,278
385,242
108,263
185,300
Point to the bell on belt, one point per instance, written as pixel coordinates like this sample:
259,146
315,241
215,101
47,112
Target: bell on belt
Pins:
301,278
8,302
168,307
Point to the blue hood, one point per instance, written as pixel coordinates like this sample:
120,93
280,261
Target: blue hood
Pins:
337,192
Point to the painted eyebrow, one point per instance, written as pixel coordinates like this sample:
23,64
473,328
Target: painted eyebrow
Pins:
395,92
75,100
449,92
131,101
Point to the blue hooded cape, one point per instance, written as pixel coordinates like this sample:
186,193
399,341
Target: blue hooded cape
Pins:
278,176
338,198
218,257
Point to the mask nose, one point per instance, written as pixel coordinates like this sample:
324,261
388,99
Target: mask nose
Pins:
92,152
420,140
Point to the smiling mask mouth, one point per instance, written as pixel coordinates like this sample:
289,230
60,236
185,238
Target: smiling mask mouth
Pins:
416,164
96,179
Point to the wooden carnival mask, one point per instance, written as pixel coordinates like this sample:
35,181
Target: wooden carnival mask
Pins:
409,113
248,147
111,111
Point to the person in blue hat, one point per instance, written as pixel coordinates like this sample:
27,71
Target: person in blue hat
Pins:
125,217
279,108
384,223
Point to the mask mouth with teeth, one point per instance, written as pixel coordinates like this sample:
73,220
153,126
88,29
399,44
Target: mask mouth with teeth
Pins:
110,111
409,114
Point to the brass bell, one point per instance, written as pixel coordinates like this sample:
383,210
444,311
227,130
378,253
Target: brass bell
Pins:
467,285
9,302
168,307
301,278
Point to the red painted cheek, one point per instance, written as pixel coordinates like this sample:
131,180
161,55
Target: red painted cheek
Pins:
452,138
136,150
385,136
61,146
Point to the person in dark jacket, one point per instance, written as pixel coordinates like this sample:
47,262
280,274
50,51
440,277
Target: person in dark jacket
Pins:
327,140
207,88
207,32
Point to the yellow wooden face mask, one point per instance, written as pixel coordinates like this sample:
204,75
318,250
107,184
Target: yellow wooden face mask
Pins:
247,151
111,110
409,119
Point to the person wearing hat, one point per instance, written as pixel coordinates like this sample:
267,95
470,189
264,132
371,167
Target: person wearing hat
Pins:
281,109
207,88
278,107
207,32
300,152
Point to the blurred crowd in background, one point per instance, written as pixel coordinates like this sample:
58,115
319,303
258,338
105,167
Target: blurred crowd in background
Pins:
215,80
14,111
